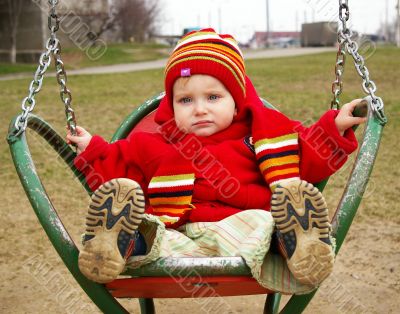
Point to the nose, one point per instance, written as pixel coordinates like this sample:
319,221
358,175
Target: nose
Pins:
200,107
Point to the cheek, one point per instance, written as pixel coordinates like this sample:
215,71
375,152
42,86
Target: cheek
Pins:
181,117
227,116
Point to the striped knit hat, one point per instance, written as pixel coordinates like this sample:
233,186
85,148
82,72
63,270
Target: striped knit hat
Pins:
209,53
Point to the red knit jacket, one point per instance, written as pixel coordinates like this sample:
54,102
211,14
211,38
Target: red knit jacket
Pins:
143,156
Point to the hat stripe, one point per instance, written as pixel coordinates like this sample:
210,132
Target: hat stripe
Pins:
216,48
200,54
242,86
219,49
188,39
209,36
221,52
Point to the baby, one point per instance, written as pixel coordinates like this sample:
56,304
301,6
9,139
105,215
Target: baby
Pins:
218,154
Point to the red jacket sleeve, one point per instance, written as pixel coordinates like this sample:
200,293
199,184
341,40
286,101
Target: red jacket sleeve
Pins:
101,161
322,149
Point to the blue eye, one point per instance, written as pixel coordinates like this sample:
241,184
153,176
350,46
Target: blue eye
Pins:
213,97
185,100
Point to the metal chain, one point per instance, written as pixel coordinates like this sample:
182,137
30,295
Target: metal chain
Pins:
53,48
65,93
337,85
347,44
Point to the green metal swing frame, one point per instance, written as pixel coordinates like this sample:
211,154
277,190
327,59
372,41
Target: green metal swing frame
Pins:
231,266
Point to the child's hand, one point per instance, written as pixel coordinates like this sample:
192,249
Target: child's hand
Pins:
345,118
81,139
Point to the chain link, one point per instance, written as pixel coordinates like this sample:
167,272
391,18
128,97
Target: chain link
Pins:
53,48
65,93
28,103
337,85
347,44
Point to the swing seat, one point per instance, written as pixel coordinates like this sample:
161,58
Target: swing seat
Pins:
188,287
173,277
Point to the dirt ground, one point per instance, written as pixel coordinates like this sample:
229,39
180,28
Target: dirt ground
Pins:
365,279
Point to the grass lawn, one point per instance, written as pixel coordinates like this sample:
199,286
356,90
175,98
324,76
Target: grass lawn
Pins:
114,54
6,68
75,58
298,86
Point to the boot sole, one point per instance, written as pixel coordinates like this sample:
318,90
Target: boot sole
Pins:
302,221
117,205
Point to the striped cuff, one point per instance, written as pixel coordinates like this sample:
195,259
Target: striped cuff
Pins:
171,196
278,159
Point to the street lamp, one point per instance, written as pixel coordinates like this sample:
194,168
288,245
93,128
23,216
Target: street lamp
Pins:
267,36
398,24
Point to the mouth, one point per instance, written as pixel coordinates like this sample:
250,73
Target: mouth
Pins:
202,122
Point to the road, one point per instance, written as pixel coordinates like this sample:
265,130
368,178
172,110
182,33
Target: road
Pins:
156,64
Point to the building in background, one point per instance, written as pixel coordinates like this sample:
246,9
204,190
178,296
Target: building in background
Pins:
29,35
319,34
274,40
78,19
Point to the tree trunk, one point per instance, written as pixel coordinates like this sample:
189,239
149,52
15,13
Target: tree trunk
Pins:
13,48
14,10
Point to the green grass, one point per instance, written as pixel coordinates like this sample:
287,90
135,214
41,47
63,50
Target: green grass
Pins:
6,68
113,54
75,58
299,86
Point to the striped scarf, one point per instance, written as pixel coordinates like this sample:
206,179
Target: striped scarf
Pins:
274,137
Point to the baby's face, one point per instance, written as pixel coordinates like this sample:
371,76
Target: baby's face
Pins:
202,105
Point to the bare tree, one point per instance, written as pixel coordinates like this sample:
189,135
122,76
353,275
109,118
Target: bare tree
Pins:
134,19
137,18
101,23
14,11
388,31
